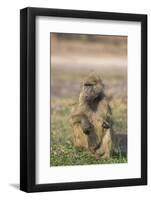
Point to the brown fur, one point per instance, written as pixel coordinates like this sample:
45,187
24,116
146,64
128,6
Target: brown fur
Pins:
91,119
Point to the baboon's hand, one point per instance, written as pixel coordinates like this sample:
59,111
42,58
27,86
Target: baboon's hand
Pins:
106,125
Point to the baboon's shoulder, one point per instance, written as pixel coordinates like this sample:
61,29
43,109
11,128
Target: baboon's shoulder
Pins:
104,107
75,115
74,108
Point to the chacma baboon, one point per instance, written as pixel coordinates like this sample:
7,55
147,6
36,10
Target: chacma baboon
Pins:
91,119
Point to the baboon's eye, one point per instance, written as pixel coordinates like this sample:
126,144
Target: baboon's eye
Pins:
88,84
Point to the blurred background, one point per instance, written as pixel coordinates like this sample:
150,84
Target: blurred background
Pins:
72,58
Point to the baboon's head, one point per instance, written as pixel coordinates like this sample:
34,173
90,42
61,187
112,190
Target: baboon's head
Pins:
92,89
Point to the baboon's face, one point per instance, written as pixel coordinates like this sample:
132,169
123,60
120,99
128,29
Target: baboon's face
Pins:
93,88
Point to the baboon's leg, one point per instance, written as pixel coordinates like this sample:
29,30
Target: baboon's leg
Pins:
106,145
79,139
92,137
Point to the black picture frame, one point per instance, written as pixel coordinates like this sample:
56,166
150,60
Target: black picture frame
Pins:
28,99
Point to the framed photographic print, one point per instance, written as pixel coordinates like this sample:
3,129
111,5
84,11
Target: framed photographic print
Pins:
83,99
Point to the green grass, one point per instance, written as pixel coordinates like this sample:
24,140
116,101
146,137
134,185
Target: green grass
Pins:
62,152
66,81
69,155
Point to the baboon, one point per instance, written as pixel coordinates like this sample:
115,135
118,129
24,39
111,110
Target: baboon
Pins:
91,119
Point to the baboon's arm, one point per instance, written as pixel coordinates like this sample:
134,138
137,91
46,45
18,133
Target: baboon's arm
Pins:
83,121
86,125
107,115
107,123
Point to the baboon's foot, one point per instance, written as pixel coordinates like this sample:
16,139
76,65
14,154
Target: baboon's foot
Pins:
93,152
106,156
97,156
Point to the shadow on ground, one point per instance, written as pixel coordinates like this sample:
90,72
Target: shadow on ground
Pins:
122,142
14,185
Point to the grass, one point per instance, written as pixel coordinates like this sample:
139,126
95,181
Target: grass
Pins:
71,60
69,155
62,151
